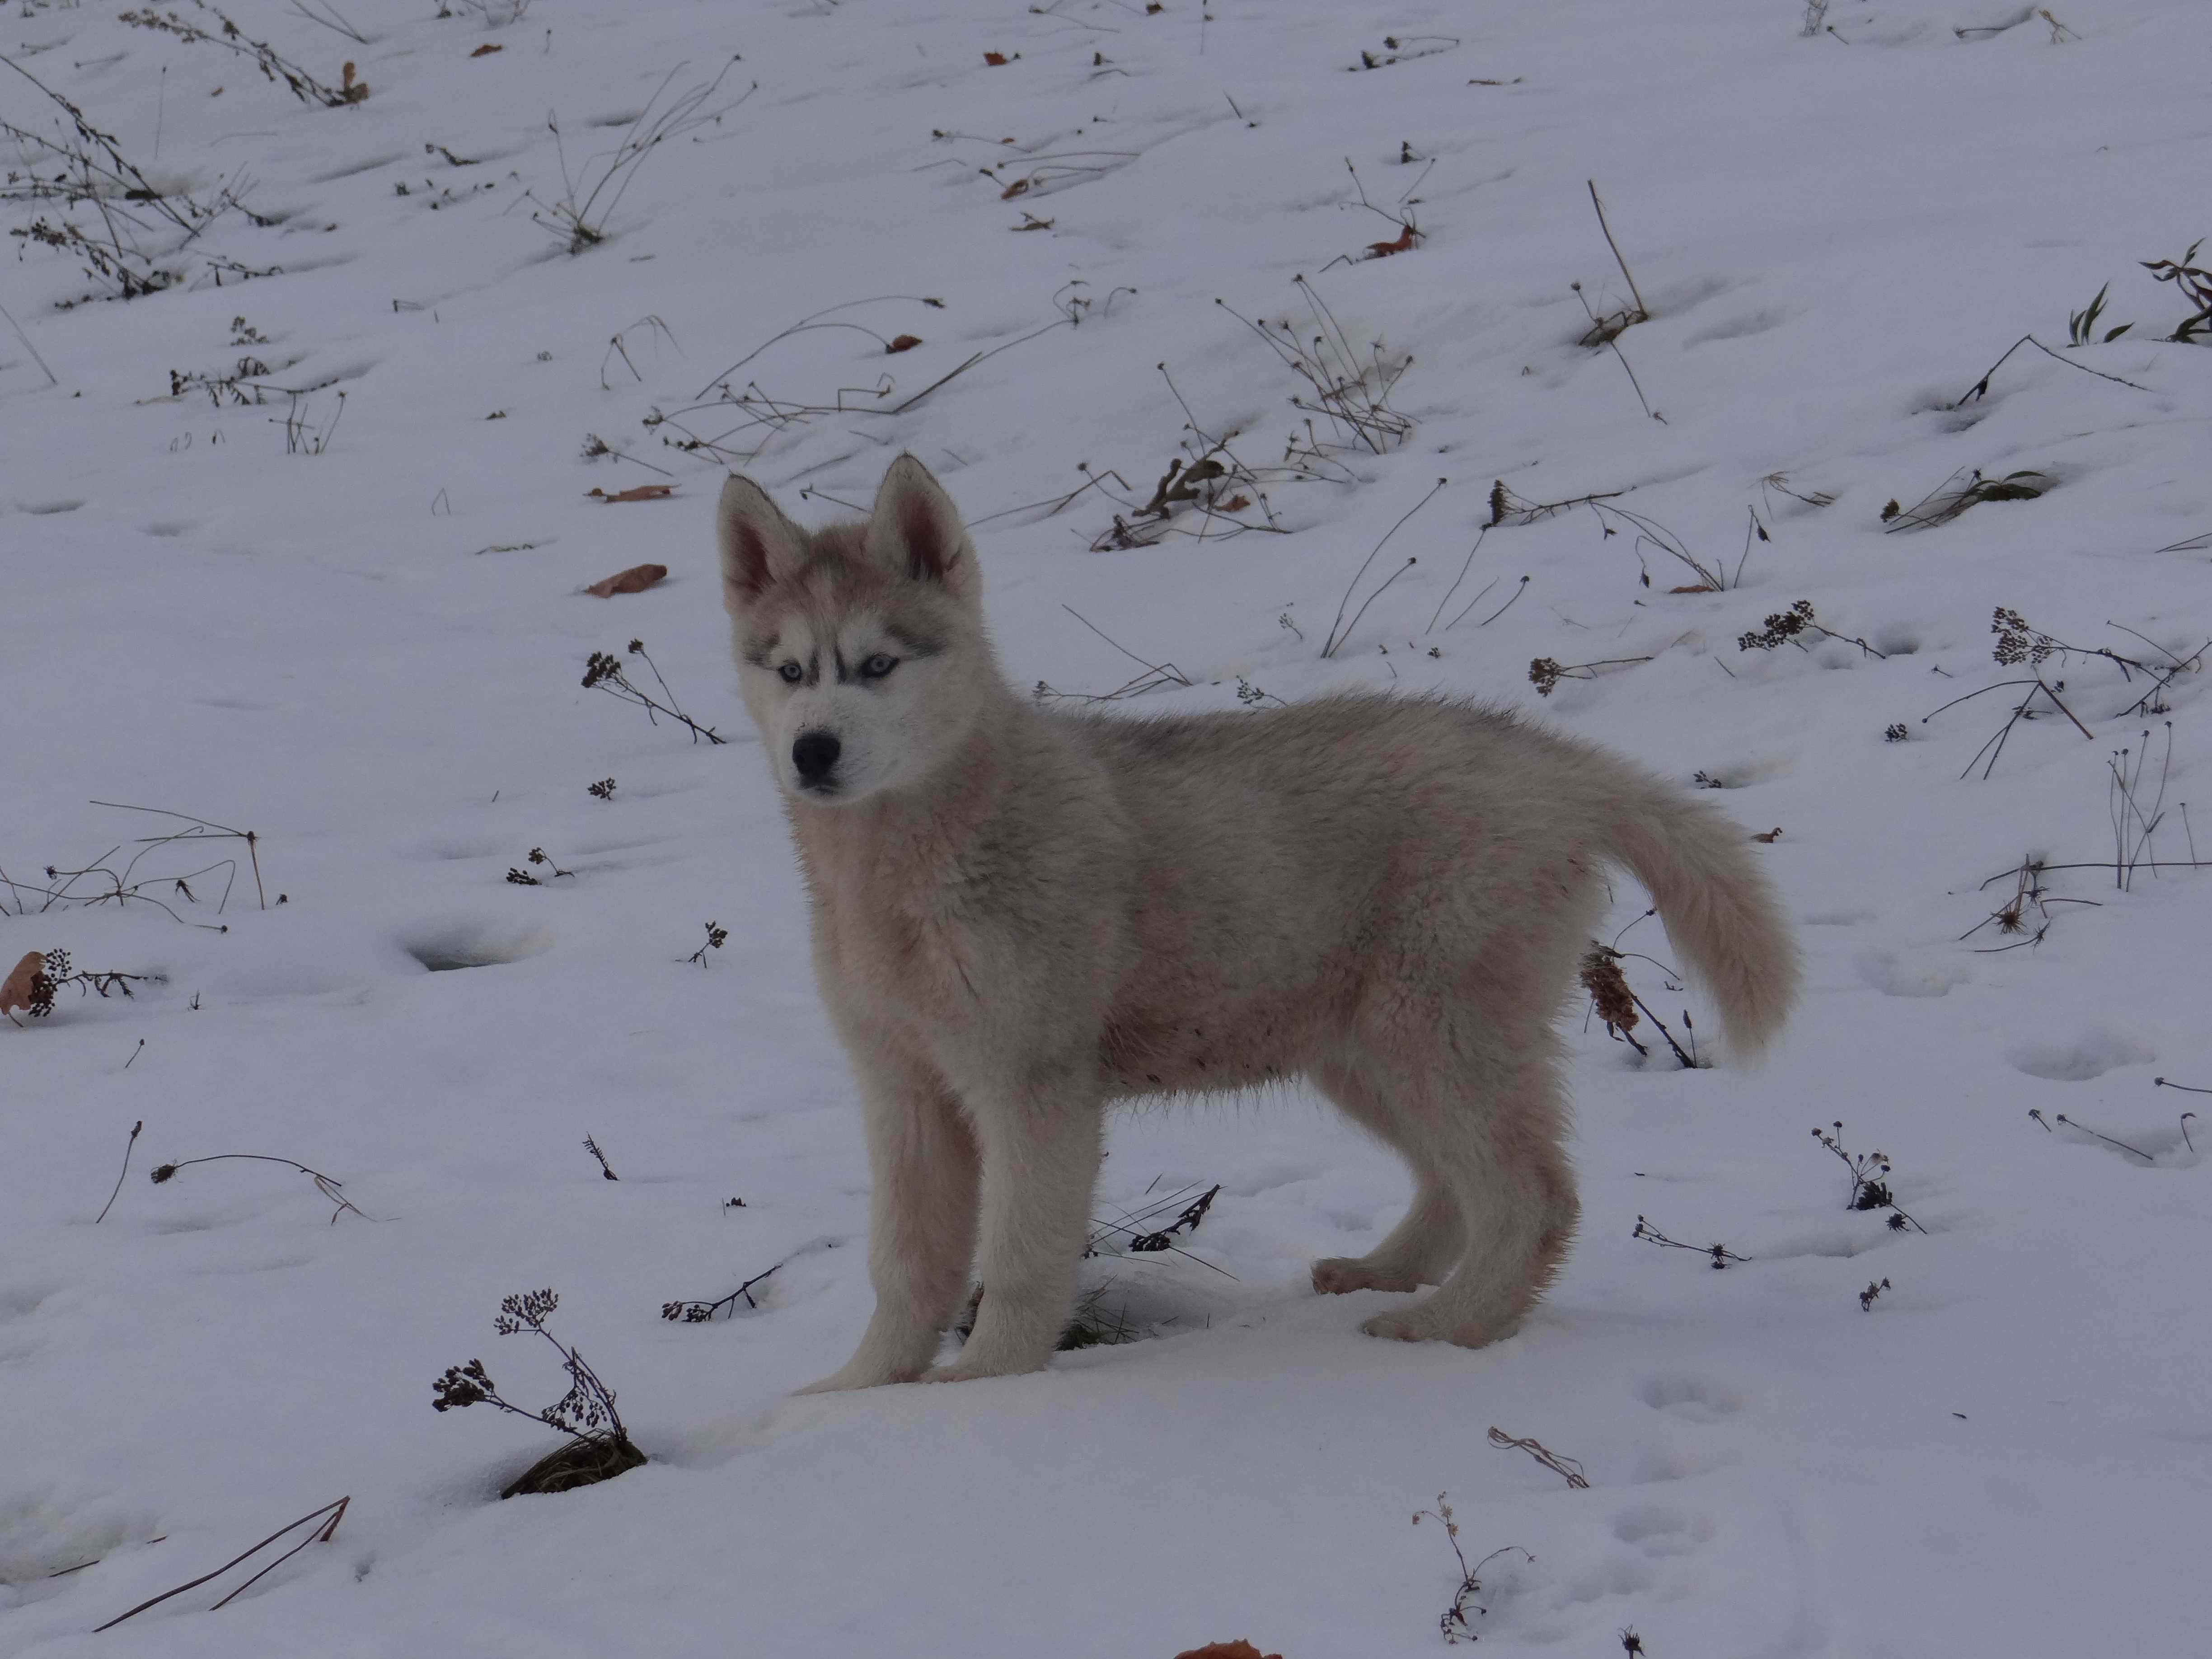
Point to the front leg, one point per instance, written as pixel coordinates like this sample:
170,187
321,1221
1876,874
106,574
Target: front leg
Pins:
921,1234
1040,1147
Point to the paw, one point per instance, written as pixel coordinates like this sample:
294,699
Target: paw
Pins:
1423,1323
1403,1324
857,1375
1334,1275
964,1370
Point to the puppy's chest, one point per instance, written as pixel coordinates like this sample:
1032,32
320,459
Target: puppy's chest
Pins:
897,951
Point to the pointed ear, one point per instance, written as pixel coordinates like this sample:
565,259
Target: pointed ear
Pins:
760,546
916,531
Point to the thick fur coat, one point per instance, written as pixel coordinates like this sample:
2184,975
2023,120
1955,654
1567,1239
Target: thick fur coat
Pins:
1020,916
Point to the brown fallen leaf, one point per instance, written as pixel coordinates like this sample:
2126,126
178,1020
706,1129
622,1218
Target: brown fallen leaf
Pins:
15,991
1694,587
640,492
1891,512
903,342
487,47
1030,221
355,90
636,579
1384,250
1771,836
1239,1648
994,59
1235,504
1019,187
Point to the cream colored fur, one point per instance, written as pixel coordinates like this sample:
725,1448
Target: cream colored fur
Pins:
1020,916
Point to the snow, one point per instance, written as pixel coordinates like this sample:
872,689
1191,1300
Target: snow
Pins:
370,657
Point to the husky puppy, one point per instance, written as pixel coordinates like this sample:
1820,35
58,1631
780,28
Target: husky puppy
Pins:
1021,915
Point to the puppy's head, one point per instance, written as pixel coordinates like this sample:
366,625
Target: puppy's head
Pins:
860,646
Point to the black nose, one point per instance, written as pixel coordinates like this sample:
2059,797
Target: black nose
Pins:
814,754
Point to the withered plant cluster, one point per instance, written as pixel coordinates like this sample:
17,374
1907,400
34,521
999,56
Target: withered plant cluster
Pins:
599,1446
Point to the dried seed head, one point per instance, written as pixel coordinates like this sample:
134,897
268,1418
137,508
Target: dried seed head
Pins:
1601,977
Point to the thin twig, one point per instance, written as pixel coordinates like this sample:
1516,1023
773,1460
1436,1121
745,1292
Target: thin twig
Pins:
1456,581
1632,381
1981,387
1336,639
813,321
1719,1254
1995,747
28,346
1688,1064
321,1536
1167,670
333,1190
2077,1123
1494,615
125,1170
1617,259
1568,1467
336,18
700,1313
252,840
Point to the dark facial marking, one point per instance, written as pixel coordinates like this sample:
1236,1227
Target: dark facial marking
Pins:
915,645
865,671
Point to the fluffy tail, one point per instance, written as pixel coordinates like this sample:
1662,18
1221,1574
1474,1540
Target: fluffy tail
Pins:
1719,908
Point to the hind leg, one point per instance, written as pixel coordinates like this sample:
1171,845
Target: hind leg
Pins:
1420,1249
1490,1126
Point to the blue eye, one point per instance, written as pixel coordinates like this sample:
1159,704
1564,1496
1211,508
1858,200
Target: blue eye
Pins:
876,666
792,672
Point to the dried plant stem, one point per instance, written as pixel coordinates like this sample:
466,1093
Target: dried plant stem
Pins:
1456,581
1494,615
43,366
604,672
1167,672
1981,387
1995,747
1551,1460
700,1313
203,828
1340,631
1719,1254
333,1190
2077,1123
1617,259
320,1534
125,1170
1689,1064
1635,384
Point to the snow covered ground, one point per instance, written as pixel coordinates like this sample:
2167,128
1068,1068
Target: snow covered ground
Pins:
370,657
